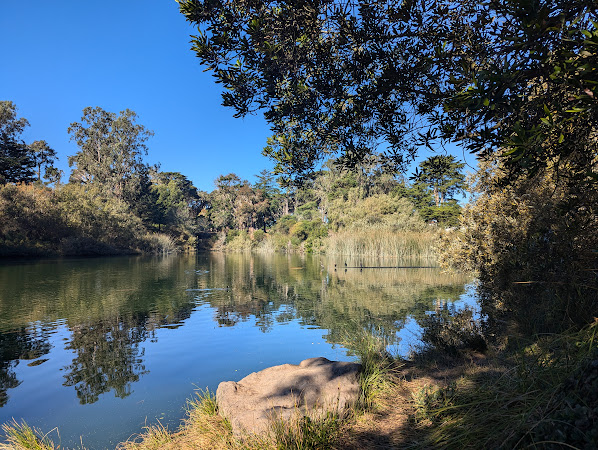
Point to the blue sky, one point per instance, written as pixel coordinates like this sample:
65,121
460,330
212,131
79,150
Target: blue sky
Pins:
61,56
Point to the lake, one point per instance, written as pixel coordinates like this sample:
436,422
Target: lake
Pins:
99,348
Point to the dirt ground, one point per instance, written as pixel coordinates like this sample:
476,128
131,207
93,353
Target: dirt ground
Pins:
390,426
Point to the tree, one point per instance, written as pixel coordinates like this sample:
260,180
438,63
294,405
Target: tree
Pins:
223,199
442,174
16,163
330,76
270,207
44,156
527,91
511,79
177,202
111,149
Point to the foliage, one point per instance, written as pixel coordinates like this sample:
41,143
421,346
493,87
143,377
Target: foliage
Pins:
70,220
344,77
338,211
16,163
442,174
44,156
533,240
524,86
111,150
114,200
328,75
541,397
380,211
237,204
451,332
284,224
177,204
305,230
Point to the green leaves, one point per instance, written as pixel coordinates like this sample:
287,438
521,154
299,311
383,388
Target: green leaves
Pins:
347,81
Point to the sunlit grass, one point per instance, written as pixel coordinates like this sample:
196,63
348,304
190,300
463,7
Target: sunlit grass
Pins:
382,243
20,436
378,368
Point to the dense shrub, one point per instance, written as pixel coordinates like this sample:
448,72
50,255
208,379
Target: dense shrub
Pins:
70,220
380,211
534,245
258,235
284,224
452,332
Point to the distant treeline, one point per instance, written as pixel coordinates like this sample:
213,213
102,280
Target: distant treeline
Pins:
337,210
115,203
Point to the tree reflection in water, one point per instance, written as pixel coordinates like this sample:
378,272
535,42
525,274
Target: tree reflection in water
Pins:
111,307
108,357
21,344
274,289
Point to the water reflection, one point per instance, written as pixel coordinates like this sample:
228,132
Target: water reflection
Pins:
92,326
108,357
21,344
278,289
110,307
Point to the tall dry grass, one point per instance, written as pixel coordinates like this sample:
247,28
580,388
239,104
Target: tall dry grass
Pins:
383,244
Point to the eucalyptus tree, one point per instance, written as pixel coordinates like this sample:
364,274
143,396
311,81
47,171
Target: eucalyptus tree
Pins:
111,150
223,199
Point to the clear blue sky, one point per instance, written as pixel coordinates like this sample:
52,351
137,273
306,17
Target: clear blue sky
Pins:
60,56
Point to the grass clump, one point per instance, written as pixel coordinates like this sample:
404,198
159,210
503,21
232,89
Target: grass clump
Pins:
378,368
307,432
20,436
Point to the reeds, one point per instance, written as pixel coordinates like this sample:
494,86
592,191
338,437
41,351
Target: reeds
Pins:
382,243
159,243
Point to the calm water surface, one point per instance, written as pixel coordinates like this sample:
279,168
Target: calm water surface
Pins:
100,348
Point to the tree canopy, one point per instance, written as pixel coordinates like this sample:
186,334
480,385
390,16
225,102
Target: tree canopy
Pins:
112,148
44,156
442,174
16,163
509,78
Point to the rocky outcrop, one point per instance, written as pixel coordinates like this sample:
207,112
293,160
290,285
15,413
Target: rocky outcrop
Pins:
313,387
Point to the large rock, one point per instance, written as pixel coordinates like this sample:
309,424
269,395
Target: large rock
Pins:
313,387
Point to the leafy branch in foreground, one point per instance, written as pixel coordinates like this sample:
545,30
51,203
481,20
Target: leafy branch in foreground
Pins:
511,79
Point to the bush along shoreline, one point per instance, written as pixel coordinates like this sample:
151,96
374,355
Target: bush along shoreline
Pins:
72,221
